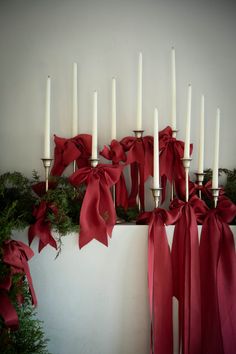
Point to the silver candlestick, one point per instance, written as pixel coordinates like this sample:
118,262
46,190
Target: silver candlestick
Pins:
156,192
200,179
74,165
118,219
174,133
215,194
47,164
186,163
94,162
138,135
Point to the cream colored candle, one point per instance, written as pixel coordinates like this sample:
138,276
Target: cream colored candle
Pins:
113,110
188,124
140,92
156,177
201,137
47,120
95,125
173,90
215,182
75,101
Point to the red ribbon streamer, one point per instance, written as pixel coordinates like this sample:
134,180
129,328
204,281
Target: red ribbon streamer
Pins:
160,282
218,280
68,150
140,157
116,154
42,227
7,310
171,152
186,274
97,216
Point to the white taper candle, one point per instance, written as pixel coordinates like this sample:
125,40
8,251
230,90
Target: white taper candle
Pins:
156,177
173,90
113,110
47,120
201,137
215,183
188,124
95,127
75,101
140,92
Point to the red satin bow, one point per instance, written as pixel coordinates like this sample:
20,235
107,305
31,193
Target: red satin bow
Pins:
218,280
97,216
116,154
68,150
42,227
171,152
17,254
7,310
186,274
160,282
140,158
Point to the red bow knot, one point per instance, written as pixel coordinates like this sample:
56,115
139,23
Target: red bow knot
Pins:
97,216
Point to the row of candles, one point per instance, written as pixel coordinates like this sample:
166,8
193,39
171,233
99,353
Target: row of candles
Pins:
186,157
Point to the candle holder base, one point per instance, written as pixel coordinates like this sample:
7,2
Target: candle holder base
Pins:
174,133
215,193
138,133
94,162
156,192
200,179
119,220
186,163
47,164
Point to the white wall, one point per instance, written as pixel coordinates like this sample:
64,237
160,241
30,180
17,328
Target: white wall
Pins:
44,37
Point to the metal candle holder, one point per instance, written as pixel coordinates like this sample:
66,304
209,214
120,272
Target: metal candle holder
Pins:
215,193
186,163
47,164
94,162
200,179
174,133
74,165
138,135
156,192
118,219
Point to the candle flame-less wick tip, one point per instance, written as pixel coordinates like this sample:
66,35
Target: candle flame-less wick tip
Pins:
173,48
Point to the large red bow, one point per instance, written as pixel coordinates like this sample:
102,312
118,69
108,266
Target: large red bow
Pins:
218,280
68,150
186,274
140,157
42,226
97,216
17,254
7,310
160,282
116,154
171,152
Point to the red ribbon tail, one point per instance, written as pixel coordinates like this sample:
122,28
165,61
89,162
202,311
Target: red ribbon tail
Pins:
7,311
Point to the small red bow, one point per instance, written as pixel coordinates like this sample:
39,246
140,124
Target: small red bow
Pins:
97,216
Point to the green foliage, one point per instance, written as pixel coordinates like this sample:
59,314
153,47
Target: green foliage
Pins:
129,215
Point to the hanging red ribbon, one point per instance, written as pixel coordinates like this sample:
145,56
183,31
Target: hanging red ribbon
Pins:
42,227
98,215
171,152
160,282
218,280
68,150
140,157
17,254
186,273
116,154
7,310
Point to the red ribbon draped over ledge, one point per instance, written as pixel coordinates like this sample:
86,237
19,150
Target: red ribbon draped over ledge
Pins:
140,157
7,310
42,226
171,152
98,215
116,154
218,280
68,150
160,282
186,273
